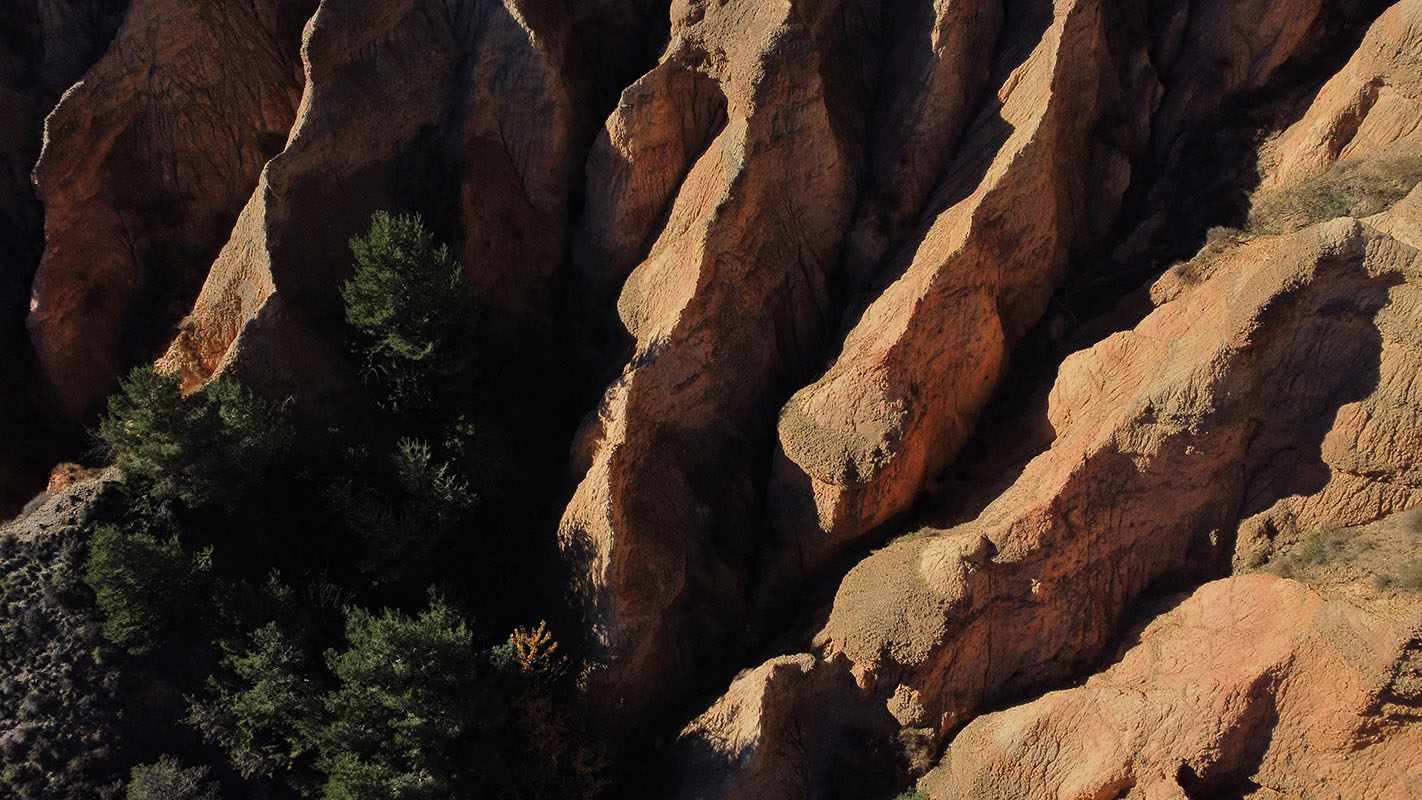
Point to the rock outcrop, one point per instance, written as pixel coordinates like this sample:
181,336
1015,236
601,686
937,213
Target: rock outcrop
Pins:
923,358
48,45
45,45
1305,698
1041,173
1218,405
793,247
469,115
973,184
145,165
1365,462
1371,104
741,201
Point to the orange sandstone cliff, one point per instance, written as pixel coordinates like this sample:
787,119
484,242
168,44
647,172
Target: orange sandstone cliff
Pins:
945,392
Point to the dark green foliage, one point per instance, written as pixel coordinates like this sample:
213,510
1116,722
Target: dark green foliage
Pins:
214,500
58,696
167,779
202,449
409,694
400,538
414,708
413,314
262,716
146,587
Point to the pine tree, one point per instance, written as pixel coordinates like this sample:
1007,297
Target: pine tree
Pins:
202,449
413,313
403,719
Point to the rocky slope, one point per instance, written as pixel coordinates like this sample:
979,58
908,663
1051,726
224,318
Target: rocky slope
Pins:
1307,697
790,260
1236,400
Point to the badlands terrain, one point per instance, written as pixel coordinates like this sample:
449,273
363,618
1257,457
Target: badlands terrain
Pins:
873,398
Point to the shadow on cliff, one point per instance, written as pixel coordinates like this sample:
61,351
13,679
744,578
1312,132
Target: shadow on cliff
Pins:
41,55
1208,185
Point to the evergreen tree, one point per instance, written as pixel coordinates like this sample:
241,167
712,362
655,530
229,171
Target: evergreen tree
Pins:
167,779
146,588
266,714
409,700
400,539
202,449
413,314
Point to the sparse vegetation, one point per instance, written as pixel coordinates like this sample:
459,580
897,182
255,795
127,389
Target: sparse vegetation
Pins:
1317,549
168,779
1407,577
60,731
1323,546
1218,241
1350,187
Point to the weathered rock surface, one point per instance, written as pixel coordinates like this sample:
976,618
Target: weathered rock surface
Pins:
725,306
1216,406
48,45
1366,462
924,357
1208,50
1041,172
65,505
468,115
1375,101
808,239
145,165
45,45
976,173
1251,684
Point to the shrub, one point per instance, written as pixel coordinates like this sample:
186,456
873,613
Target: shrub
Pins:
412,311
59,733
1218,241
1351,187
1322,547
167,779
1407,577
414,709
145,588
199,450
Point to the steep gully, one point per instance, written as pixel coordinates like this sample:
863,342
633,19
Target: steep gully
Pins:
755,143
45,46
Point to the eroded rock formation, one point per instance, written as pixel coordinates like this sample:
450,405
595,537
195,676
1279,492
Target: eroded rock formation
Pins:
468,114
146,162
922,359
1221,402
726,305
798,259
1373,103
1305,698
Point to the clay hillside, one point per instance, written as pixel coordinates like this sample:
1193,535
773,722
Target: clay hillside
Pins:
711,399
